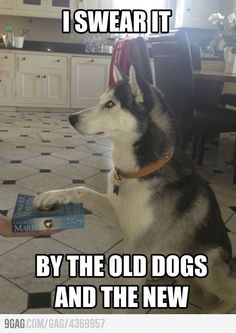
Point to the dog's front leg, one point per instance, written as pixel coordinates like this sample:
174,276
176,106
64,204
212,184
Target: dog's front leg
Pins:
97,202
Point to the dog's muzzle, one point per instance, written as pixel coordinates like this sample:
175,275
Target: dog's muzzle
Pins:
73,119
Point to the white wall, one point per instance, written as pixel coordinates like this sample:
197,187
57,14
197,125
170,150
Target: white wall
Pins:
228,6
234,6
41,29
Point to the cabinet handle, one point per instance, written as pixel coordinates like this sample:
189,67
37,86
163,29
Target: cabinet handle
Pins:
38,76
0,80
188,9
44,76
6,57
24,58
58,60
92,60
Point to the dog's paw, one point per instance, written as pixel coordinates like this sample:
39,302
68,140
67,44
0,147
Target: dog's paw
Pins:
47,200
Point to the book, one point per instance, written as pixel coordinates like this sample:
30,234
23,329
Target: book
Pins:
26,218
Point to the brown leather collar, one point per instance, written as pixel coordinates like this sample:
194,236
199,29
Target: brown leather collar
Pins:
147,170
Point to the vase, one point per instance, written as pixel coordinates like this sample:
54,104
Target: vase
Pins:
230,60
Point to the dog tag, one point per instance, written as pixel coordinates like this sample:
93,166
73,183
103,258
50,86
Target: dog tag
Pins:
117,181
116,189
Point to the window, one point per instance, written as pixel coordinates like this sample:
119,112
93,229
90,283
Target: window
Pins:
141,4
147,5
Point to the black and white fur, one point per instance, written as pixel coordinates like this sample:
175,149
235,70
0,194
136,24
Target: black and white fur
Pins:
172,210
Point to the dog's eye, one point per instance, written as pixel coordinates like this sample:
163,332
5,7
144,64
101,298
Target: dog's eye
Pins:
109,105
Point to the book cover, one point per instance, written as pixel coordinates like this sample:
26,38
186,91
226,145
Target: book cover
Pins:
26,218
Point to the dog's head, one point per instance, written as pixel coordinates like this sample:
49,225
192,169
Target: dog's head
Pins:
123,110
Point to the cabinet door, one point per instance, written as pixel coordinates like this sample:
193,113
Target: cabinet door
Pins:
6,85
108,4
31,5
195,14
56,6
89,4
89,79
6,4
54,87
28,86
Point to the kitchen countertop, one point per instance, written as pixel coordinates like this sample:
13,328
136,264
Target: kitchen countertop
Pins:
53,47
212,58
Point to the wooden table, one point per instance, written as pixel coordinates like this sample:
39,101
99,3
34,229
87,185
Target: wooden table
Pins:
214,76
221,78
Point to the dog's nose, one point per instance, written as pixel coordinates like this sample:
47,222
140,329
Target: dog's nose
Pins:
73,119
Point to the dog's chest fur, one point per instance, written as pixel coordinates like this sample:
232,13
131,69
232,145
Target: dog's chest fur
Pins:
132,206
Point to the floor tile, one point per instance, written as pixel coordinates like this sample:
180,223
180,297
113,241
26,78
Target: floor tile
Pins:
63,142
8,195
94,147
97,237
18,154
47,148
18,265
100,180
24,140
39,300
231,224
107,153
16,171
232,237
75,171
49,136
45,162
12,299
76,154
116,248
205,173
10,243
191,309
225,194
41,311
226,213
98,189
98,162
87,281
43,182
105,142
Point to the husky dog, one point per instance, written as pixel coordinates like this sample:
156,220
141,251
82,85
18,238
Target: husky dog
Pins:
168,210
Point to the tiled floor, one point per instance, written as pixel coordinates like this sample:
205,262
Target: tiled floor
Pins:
39,152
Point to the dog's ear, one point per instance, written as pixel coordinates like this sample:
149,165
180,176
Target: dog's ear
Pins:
117,74
134,85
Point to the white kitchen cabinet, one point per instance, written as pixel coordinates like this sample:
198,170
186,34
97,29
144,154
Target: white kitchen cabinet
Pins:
52,80
30,5
6,4
89,79
89,4
54,87
195,13
42,79
28,86
95,4
36,8
56,6
6,85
